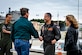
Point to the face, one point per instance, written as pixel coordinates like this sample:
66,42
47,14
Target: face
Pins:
27,15
9,17
46,18
67,22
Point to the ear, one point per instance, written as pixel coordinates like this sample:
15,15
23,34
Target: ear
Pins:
27,14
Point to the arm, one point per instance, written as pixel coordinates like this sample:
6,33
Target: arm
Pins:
12,32
70,38
57,33
33,31
4,30
41,35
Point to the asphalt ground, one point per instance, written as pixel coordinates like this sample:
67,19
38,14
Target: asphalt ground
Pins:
31,53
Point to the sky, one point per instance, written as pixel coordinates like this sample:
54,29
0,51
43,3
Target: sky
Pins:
37,8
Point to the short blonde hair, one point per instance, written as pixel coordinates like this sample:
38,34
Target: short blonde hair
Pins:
72,20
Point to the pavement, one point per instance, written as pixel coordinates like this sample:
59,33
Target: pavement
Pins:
31,53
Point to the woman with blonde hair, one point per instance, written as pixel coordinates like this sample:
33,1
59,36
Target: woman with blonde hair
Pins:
71,36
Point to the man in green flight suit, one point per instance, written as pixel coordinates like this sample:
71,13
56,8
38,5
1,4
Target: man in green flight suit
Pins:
5,42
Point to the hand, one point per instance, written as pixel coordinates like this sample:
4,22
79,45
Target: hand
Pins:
40,38
53,41
9,32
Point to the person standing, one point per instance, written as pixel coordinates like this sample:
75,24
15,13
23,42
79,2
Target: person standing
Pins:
50,34
21,33
71,36
6,42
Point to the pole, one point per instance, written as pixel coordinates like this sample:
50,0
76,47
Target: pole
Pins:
9,10
78,10
58,18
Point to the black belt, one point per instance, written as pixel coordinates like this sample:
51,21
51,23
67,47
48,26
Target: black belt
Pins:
23,39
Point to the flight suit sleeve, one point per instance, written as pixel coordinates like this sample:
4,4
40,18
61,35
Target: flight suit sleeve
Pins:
41,32
3,27
57,33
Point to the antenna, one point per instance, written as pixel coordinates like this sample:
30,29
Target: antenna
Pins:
9,9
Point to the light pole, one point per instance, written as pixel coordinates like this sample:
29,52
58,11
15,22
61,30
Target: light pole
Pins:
58,18
9,10
78,18
37,16
78,10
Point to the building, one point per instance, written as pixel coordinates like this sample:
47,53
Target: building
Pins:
2,19
15,14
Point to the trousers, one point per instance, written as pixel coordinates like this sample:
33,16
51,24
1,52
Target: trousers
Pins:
49,49
22,46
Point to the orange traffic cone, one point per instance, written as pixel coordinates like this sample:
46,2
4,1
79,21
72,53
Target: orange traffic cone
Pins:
59,53
59,50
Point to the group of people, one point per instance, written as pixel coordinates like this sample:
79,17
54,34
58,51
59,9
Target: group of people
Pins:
21,30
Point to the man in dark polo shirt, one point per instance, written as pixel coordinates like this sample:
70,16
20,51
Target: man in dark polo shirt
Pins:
22,30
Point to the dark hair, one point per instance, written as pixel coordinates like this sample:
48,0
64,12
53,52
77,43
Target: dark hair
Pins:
49,14
72,20
23,11
7,15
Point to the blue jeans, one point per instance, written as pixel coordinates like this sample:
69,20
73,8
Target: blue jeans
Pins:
22,47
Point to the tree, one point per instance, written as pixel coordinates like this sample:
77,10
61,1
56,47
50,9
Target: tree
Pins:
38,20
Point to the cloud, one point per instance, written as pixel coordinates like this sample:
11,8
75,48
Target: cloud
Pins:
63,7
